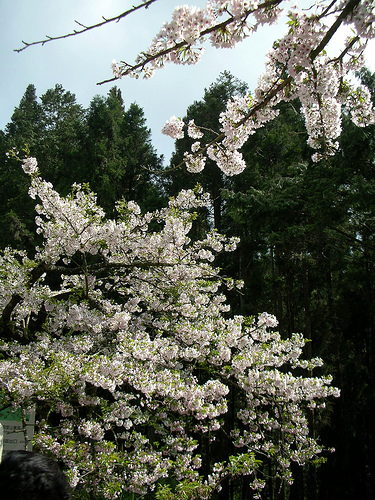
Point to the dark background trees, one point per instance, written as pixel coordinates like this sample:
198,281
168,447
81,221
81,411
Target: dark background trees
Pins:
107,146
307,255
120,158
307,237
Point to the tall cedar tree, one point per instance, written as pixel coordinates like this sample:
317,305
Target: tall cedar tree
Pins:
105,146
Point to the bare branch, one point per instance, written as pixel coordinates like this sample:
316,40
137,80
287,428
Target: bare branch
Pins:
84,29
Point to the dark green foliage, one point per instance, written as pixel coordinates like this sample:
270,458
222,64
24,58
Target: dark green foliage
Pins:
307,255
105,146
25,125
206,114
61,144
120,158
15,205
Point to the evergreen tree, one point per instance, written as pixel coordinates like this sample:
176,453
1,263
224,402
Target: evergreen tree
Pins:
120,155
26,126
206,112
24,130
105,146
61,145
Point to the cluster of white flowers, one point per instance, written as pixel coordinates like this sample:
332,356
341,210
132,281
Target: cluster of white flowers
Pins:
230,162
194,163
30,165
129,323
297,67
193,131
174,128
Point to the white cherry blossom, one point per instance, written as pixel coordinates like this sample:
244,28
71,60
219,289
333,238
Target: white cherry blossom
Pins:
116,324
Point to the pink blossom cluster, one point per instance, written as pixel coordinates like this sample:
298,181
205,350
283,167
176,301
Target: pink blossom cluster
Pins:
194,163
298,66
186,27
180,40
132,318
30,165
174,128
230,162
116,69
193,131
363,19
315,81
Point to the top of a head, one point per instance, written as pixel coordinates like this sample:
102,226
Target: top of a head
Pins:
31,476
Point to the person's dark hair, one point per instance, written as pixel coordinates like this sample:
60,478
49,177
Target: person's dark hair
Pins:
30,476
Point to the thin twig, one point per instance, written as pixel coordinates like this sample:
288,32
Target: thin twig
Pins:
84,29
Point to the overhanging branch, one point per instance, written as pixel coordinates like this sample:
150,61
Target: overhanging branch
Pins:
84,29
180,45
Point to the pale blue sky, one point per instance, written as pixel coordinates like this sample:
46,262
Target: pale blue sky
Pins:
80,62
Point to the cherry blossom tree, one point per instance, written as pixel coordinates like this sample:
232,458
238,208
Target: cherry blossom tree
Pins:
298,66
119,335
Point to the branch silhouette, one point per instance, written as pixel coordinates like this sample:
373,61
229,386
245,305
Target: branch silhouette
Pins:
144,4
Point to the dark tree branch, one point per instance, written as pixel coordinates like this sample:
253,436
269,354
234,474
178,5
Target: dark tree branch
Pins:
104,266
346,12
8,309
35,274
348,9
105,21
58,271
